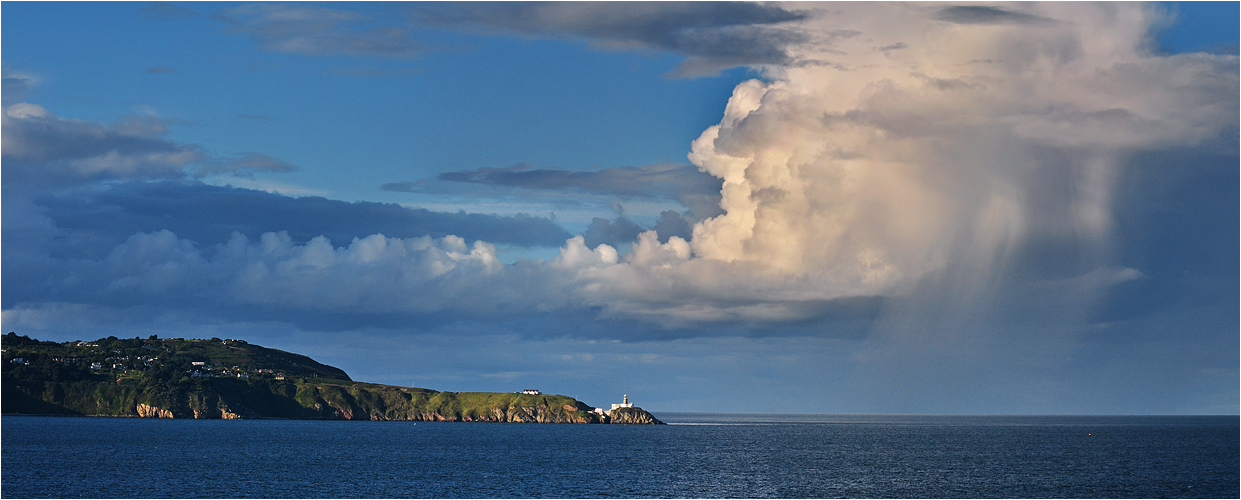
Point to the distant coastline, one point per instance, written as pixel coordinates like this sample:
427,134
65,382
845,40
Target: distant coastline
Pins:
233,379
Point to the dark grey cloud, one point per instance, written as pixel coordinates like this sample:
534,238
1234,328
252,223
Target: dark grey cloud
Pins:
42,149
209,215
313,30
653,180
896,46
687,185
611,233
623,230
671,224
982,14
714,35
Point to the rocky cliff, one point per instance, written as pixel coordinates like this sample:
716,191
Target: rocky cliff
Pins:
631,416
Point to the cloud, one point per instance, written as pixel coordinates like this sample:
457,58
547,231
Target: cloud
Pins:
384,282
651,180
984,14
41,148
45,150
907,196
878,177
160,70
244,165
895,46
16,86
913,175
313,30
612,233
672,224
683,183
99,219
622,232
714,35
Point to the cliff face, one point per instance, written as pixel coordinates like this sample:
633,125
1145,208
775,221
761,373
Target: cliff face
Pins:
631,416
148,411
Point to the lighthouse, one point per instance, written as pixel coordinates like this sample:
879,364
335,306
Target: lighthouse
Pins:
623,404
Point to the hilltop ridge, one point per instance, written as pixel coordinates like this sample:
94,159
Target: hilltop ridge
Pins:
228,378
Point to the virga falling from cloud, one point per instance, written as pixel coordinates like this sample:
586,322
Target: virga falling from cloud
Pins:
869,169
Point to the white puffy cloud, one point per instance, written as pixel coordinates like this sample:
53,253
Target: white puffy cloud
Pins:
375,274
870,169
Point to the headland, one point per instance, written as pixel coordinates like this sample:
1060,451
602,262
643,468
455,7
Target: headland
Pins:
233,379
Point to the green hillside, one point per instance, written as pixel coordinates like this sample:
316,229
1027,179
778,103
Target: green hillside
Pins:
180,378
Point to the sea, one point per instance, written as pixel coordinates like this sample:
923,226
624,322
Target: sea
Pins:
699,455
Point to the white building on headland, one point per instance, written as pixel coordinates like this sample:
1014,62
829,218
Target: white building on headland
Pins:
533,392
623,404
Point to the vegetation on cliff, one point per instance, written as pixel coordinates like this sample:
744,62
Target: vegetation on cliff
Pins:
180,378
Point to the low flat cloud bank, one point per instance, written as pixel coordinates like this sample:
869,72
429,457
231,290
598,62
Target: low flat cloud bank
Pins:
208,215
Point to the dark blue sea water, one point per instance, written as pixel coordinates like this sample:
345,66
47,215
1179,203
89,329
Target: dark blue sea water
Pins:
700,455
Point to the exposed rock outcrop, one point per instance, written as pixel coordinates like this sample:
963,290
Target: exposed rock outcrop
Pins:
633,415
148,411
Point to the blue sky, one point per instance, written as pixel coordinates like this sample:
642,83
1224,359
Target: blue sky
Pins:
904,208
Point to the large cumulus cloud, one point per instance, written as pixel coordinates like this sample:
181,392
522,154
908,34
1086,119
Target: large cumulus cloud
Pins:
974,139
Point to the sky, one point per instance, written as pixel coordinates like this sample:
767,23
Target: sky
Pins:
864,207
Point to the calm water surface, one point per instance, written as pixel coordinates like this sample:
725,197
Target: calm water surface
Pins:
699,455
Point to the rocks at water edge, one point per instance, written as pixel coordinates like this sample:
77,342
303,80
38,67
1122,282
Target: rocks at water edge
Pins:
148,411
633,415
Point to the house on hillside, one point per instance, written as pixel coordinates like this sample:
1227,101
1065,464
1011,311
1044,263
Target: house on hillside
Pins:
532,392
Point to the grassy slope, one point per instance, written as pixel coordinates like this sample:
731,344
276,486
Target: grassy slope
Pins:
57,379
